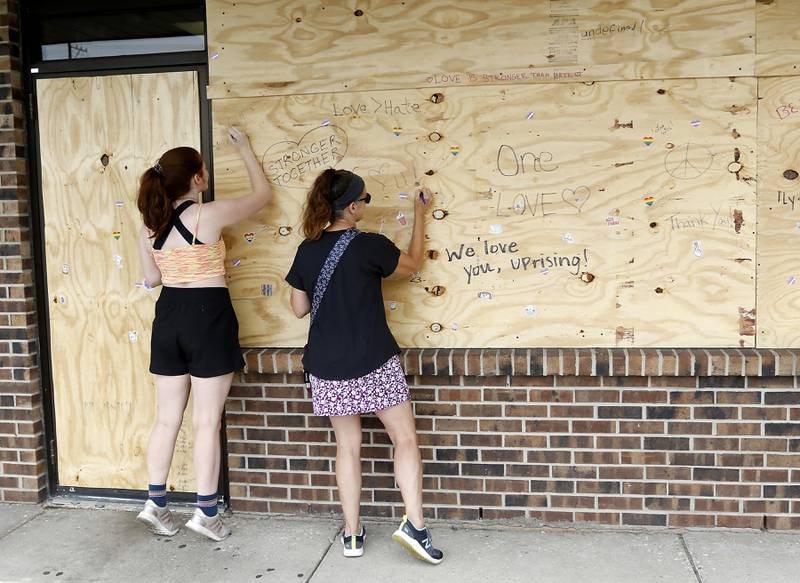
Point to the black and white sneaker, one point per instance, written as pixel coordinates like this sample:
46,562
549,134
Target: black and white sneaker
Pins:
417,542
353,544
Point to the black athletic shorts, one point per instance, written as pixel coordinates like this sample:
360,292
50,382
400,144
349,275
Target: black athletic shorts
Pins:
195,332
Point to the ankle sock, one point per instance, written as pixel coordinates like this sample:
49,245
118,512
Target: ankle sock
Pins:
208,504
158,494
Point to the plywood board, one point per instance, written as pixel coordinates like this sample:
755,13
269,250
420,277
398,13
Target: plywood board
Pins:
282,47
778,212
97,135
601,214
777,37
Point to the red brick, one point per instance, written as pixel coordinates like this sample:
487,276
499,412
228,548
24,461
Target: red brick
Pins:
645,396
728,521
501,425
619,503
783,522
551,395
463,394
705,520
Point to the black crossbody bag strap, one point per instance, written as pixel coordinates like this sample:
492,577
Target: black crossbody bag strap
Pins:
324,279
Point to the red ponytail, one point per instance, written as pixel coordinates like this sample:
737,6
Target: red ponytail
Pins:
166,180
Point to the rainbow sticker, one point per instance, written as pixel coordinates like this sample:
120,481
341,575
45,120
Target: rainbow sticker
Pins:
649,200
117,234
647,140
455,150
397,131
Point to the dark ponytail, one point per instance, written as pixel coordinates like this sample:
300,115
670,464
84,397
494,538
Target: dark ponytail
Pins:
169,178
318,211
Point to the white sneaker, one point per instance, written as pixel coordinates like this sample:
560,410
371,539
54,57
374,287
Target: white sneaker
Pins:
158,519
209,526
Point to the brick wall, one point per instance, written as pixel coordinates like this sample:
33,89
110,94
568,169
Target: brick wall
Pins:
614,437
22,457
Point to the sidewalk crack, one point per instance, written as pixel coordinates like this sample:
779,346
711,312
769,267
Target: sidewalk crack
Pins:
690,558
23,523
325,554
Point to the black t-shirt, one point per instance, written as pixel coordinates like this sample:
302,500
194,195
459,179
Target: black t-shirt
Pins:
350,336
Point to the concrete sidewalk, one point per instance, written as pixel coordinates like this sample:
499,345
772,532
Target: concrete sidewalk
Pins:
86,545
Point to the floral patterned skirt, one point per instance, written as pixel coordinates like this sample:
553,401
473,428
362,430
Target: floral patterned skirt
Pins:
380,389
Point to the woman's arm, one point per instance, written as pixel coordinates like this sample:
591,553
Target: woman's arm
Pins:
230,211
152,274
301,305
411,261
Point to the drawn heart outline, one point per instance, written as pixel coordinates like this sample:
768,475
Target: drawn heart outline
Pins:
297,156
576,197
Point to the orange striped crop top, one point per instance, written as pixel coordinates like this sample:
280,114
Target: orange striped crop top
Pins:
194,262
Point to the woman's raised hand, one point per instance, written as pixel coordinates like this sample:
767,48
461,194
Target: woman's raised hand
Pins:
238,139
422,198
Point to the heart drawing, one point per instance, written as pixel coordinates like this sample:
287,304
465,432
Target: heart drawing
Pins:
293,164
576,197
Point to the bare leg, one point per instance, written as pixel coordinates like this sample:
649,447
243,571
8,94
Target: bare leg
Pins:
399,423
209,400
172,394
348,468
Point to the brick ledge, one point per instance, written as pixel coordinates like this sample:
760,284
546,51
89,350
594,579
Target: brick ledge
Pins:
618,362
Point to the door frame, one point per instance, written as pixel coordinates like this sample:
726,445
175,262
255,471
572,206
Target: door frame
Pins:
125,65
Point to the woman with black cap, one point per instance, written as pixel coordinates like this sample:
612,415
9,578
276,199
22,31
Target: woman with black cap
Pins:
351,359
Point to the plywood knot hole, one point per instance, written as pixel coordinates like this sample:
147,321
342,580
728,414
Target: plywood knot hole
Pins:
433,254
298,19
437,98
104,160
359,12
587,277
659,290
436,290
430,173
436,327
653,225
790,174
439,214
735,167
284,231
434,136
661,91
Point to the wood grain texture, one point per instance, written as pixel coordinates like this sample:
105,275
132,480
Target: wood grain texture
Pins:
98,134
553,178
281,47
778,212
777,37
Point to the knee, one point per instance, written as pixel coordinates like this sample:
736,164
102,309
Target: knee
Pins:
169,421
204,422
404,440
350,449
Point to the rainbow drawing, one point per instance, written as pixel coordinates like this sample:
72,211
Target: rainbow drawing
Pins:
455,150
397,130
649,200
647,140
